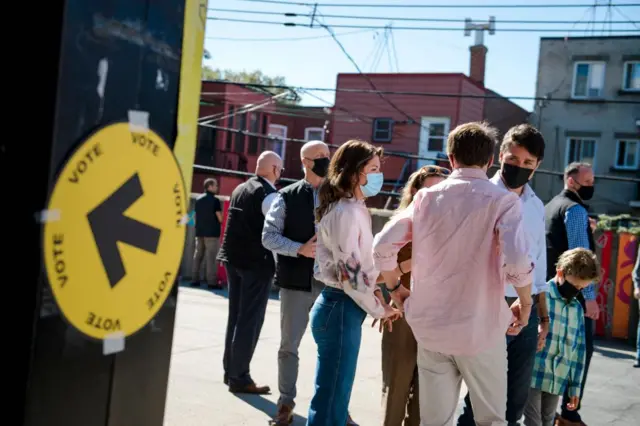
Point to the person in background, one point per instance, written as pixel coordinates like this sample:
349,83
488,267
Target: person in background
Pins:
250,269
559,365
400,395
567,226
468,236
289,232
636,294
345,266
521,153
208,220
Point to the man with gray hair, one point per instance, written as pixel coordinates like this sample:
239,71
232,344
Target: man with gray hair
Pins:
250,270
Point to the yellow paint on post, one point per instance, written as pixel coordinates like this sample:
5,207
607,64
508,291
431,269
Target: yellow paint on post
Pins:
195,18
113,250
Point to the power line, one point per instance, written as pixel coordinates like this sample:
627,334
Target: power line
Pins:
442,6
373,27
346,33
435,95
384,18
394,153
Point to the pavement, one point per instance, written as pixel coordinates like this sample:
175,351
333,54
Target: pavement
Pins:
196,395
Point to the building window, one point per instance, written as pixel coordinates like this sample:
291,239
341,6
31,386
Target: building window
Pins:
581,150
239,138
254,127
277,145
382,129
627,154
588,80
631,76
314,134
433,138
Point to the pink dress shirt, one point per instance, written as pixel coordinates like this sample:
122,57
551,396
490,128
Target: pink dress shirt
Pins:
468,241
344,254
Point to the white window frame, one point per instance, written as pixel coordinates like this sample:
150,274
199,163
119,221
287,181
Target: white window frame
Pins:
583,138
623,167
375,122
313,129
425,122
284,141
573,83
624,76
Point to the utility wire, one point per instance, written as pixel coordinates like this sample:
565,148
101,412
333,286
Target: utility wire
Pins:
373,27
442,6
346,33
394,153
437,95
384,18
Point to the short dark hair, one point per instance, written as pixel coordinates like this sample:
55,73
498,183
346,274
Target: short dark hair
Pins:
472,144
573,169
209,182
526,136
580,263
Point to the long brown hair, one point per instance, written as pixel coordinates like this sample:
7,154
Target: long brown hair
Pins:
415,182
343,174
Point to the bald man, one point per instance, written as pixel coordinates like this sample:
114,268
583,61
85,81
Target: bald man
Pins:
250,269
289,232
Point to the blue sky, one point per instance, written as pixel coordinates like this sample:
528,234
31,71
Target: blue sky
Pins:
511,62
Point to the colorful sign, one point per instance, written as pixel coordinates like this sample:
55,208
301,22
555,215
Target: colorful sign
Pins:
113,249
604,244
195,18
627,246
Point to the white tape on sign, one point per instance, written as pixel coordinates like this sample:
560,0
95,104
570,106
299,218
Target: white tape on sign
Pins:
45,216
184,219
113,343
138,121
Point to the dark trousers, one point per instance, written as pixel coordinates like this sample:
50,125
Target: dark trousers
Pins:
521,354
574,416
248,297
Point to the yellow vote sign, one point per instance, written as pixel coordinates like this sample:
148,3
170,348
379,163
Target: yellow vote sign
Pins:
113,247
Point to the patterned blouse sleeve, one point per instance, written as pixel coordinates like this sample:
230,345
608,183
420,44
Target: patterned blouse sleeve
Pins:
347,253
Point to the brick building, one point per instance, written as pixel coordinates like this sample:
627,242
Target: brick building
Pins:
434,115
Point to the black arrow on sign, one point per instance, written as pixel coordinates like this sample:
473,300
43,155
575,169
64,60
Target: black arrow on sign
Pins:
110,226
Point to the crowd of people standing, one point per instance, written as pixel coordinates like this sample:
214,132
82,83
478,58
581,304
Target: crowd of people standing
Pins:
471,279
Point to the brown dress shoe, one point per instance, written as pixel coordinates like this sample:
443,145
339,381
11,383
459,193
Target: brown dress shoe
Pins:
350,421
560,421
284,416
251,388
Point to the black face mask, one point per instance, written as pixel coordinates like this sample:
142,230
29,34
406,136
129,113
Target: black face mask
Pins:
568,291
320,166
514,176
586,192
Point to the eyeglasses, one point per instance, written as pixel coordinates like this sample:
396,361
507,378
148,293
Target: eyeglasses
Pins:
435,171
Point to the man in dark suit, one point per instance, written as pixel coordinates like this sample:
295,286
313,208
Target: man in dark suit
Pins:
250,268
208,220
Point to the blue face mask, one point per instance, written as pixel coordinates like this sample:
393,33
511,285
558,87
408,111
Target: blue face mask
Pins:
373,185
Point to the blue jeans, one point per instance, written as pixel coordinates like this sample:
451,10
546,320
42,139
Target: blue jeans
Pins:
521,354
336,325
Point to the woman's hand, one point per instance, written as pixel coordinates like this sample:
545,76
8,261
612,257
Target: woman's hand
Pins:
399,296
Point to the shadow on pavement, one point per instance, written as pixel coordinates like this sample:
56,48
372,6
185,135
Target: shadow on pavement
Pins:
274,295
268,407
615,349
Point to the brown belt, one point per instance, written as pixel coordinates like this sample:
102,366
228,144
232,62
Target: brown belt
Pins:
511,300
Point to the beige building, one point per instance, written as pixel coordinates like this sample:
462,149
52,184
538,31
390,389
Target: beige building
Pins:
590,73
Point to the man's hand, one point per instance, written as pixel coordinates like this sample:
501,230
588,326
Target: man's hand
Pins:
636,293
391,314
593,309
574,401
521,313
308,249
382,324
399,296
593,224
543,330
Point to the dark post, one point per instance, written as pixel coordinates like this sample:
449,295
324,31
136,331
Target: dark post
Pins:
118,99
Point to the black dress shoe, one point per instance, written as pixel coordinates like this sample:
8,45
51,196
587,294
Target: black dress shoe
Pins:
251,388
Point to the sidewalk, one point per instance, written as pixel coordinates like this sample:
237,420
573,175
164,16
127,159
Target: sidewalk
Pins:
197,396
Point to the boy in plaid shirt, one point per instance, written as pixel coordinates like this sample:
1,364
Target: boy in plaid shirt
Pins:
560,359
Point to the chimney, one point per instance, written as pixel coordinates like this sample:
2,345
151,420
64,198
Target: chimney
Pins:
477,63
